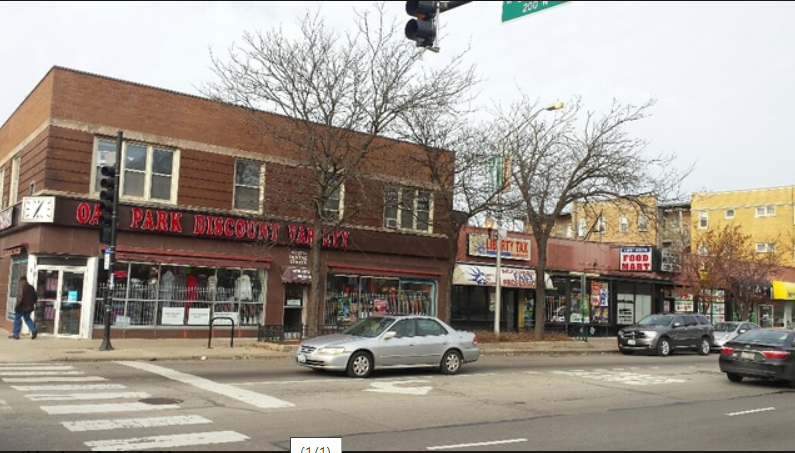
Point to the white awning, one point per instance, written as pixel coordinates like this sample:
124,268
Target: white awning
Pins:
475,275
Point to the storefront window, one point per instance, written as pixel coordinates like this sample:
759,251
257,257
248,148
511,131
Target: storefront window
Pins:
147,294
19,267
600,302
350,298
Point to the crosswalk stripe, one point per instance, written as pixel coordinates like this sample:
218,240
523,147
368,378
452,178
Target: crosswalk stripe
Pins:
56,379
37,368
246,396
166,442
66,387
106,408
40,373
4,406
87,396
128,423
13,364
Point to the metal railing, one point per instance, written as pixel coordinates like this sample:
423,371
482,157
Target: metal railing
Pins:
210,331
281,334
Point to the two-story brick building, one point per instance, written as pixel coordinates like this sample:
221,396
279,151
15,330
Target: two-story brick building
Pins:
202,229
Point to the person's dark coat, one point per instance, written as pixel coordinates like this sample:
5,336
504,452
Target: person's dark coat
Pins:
26,299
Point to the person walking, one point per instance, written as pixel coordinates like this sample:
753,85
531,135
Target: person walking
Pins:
26,303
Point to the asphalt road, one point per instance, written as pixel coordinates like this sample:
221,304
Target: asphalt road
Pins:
595,402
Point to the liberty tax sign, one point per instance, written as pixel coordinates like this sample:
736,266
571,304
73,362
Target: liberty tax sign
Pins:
637,259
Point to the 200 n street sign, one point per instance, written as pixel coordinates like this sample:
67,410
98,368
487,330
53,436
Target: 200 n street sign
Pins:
515,10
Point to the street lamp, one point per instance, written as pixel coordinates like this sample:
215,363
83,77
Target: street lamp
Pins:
497,233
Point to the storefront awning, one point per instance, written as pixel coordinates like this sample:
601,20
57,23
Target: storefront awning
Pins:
783,290
476,275
297,274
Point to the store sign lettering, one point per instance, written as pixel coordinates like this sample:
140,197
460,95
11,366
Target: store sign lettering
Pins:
160,221
636,259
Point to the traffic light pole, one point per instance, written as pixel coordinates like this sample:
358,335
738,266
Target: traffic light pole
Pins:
110,252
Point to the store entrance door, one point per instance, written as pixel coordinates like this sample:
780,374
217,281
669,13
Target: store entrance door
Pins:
60,291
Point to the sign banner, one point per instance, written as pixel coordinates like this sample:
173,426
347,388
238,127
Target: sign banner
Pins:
512,248
472,275
636,259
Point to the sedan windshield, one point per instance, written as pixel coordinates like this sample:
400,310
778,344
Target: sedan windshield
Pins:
655,321
726,327
370,327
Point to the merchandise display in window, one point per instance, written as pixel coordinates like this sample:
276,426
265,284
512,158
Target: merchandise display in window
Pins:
174,295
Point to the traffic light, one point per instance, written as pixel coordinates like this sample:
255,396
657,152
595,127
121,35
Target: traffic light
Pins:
423,28
107,201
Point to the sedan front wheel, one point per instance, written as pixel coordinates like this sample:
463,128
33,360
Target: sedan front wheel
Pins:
360,365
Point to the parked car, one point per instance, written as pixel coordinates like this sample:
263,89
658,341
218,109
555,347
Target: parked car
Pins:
662,334
383,342
727,331
762,354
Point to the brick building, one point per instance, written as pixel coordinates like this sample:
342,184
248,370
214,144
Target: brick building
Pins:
203,228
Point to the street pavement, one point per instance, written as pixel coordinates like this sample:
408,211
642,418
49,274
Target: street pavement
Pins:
59,349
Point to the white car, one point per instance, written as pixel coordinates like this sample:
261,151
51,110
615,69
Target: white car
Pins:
383,342
729,330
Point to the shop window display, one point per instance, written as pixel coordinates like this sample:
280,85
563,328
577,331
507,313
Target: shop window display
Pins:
351,298
148,294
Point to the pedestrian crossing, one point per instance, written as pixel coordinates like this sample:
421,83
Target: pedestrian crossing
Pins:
66,392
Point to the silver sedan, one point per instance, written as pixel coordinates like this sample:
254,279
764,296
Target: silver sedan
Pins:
384,342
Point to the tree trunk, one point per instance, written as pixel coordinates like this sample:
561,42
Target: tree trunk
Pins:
540,306
313,304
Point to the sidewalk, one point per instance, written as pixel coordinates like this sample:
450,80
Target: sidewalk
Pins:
53,349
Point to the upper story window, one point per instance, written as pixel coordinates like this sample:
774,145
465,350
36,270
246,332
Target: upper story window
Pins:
703,220
248,194
623,224
581,228
765,247
334,204
13,191
3,200
765,211
643,222
407,208
729,213
148,172
600,224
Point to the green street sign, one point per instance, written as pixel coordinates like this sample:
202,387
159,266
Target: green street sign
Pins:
515,10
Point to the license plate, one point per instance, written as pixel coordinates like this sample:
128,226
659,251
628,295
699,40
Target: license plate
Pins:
747,356
631,342
301,358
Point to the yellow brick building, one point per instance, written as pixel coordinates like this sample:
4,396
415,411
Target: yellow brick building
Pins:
767,215
611,221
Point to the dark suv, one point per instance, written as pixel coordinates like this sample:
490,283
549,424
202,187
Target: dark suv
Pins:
662,334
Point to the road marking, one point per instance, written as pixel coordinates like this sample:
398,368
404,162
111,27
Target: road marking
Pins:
245,396
13,364
56,379
66,387
37,368
40,373
755,411
130,423
166,442
4,406
478,444
88,396
105,408
625,377
302,381
392,387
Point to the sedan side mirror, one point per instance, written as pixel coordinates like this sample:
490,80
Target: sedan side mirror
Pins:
741,331
390,334
677,325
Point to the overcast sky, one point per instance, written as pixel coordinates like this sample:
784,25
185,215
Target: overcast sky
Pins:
723,73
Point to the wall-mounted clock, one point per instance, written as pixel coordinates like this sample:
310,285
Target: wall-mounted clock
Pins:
38,209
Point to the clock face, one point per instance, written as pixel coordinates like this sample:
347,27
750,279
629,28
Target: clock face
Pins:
38,209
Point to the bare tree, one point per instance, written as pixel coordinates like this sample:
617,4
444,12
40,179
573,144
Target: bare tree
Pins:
726,259
339,94
464,185
562,158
